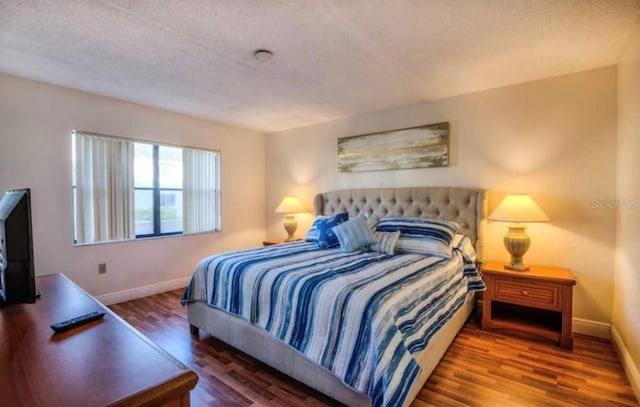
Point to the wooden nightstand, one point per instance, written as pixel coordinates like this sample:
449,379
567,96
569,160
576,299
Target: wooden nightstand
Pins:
538,301
270,242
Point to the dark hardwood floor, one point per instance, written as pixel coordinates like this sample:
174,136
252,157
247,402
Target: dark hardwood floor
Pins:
479,369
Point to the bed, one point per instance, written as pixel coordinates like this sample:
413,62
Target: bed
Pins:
245,322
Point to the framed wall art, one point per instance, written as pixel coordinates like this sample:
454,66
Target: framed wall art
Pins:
415,147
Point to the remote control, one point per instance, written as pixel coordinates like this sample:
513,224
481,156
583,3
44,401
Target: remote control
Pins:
74,322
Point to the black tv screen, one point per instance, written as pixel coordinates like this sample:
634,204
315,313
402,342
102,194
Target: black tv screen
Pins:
17,277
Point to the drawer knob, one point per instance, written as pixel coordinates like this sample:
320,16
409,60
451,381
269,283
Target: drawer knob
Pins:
525,292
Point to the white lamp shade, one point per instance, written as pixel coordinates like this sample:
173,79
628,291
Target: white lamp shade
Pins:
289,204
518,208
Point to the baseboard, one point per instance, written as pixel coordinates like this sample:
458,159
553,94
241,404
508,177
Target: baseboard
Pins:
591,328
139,292
630,368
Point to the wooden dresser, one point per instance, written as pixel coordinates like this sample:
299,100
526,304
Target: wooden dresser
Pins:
537,302
103,363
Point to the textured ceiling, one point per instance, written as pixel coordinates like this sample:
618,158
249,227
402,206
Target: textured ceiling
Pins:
333,58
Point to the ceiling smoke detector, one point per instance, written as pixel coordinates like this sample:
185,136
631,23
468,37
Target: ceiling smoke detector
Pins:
263,54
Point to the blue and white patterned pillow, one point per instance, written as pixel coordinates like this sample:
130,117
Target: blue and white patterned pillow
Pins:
463,244
385,242
313,232
421,236
354,234
321,230
372,221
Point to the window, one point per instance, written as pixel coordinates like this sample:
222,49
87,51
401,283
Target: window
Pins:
126,189
158,190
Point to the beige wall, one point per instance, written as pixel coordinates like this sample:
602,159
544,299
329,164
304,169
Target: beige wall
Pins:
553,138
35,151
626,297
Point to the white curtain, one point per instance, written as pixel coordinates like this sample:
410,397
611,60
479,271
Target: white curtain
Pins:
200,191
104,188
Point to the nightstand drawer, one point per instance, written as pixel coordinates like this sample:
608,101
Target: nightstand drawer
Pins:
529,293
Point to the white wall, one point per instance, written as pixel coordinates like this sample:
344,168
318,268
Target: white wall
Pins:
626,297
36,120
554,138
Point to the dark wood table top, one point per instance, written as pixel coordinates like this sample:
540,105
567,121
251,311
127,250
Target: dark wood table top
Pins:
105,362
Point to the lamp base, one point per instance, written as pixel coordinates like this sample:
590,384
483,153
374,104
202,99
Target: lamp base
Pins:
516,267
290,225
517,243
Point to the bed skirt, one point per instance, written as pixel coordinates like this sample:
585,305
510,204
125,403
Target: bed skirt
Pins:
254,341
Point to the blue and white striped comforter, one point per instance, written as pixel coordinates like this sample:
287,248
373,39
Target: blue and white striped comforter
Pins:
360,315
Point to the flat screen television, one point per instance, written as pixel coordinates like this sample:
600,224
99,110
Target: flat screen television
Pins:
17,276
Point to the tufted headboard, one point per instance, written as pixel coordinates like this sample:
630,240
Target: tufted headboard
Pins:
467,206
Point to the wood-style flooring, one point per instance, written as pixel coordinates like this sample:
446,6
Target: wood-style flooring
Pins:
479,369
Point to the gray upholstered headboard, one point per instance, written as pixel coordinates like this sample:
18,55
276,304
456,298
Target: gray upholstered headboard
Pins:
467,206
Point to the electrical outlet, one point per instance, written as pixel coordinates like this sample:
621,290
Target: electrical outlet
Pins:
102,268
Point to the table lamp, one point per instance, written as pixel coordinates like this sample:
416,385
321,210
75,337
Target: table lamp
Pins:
290,205
517,209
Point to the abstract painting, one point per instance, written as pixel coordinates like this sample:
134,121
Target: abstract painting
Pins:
414,147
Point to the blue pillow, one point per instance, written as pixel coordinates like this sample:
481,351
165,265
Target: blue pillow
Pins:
313,232
321,230
354,234
422,236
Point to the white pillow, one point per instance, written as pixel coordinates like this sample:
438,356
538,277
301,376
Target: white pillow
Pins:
385,242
